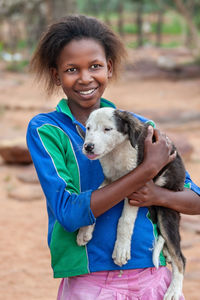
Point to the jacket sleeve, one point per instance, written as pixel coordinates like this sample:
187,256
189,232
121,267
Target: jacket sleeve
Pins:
49,153
190,184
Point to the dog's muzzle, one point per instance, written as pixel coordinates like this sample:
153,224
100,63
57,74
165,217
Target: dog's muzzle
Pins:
89,147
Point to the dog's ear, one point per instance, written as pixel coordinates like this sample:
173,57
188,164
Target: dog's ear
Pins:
128,124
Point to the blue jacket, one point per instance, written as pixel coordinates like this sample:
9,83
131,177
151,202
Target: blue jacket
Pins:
68,178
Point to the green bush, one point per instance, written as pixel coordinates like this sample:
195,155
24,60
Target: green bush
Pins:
17,66
21,44
172,44
130,28
132,44
1,46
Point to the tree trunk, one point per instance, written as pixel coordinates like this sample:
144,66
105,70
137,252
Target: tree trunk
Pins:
189,20
159,23
107,18
35,22
139,21
59,8
120,23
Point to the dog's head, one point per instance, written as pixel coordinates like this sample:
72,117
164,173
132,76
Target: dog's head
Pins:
107,128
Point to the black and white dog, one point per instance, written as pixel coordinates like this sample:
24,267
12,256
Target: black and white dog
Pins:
116,138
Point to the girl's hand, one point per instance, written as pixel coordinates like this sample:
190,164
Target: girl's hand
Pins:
157,154
147,195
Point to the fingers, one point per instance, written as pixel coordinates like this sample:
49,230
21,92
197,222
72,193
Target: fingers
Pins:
139,197
172,156
150,133
153,133
169,143
162,136
167,140
158,150
158,136
136,203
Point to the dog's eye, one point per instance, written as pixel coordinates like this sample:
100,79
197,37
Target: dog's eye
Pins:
88,128
107,129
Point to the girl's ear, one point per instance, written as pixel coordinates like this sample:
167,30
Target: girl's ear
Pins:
55,76
110,67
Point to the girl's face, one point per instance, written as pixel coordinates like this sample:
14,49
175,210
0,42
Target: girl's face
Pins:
83,72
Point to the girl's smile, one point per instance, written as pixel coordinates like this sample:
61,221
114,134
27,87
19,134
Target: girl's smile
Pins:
83,72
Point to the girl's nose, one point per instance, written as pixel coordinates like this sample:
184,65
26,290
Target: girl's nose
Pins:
85,77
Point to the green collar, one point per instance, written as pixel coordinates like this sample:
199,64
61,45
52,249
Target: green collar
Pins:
64,108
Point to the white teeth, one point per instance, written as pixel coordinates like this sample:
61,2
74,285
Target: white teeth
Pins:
87,92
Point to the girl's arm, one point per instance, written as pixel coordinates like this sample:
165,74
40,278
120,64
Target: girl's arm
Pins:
186,201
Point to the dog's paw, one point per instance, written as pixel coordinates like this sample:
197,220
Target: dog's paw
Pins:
174,291
121,253
172,294
84,235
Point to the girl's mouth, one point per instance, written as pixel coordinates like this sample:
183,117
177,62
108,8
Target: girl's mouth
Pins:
88,92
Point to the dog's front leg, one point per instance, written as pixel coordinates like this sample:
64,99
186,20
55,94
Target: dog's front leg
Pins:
122,249
84,235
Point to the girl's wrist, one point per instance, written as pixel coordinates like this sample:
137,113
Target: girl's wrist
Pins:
160,196
150,170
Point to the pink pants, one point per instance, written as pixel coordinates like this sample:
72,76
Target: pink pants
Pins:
140,284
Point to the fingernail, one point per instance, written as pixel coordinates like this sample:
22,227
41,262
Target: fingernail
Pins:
150,128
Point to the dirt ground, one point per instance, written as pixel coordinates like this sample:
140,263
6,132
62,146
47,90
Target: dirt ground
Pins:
25,271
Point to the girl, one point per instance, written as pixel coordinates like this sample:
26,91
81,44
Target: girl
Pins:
80,55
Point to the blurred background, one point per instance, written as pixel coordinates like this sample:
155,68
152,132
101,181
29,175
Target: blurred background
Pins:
160,80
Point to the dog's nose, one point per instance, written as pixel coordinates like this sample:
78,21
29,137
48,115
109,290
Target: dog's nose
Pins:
89,147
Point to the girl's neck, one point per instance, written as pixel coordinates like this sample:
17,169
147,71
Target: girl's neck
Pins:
81,114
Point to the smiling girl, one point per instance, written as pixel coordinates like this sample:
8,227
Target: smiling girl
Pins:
80,55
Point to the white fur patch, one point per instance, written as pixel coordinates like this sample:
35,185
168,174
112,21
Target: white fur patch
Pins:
161,180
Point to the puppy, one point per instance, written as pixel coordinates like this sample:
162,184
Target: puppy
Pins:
116,138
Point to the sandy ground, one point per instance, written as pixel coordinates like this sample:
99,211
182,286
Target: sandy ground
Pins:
25,271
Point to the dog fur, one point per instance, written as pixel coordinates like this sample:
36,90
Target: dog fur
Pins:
116,138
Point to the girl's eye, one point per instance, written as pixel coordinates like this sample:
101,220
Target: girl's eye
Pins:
71,70
107,129
95,66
